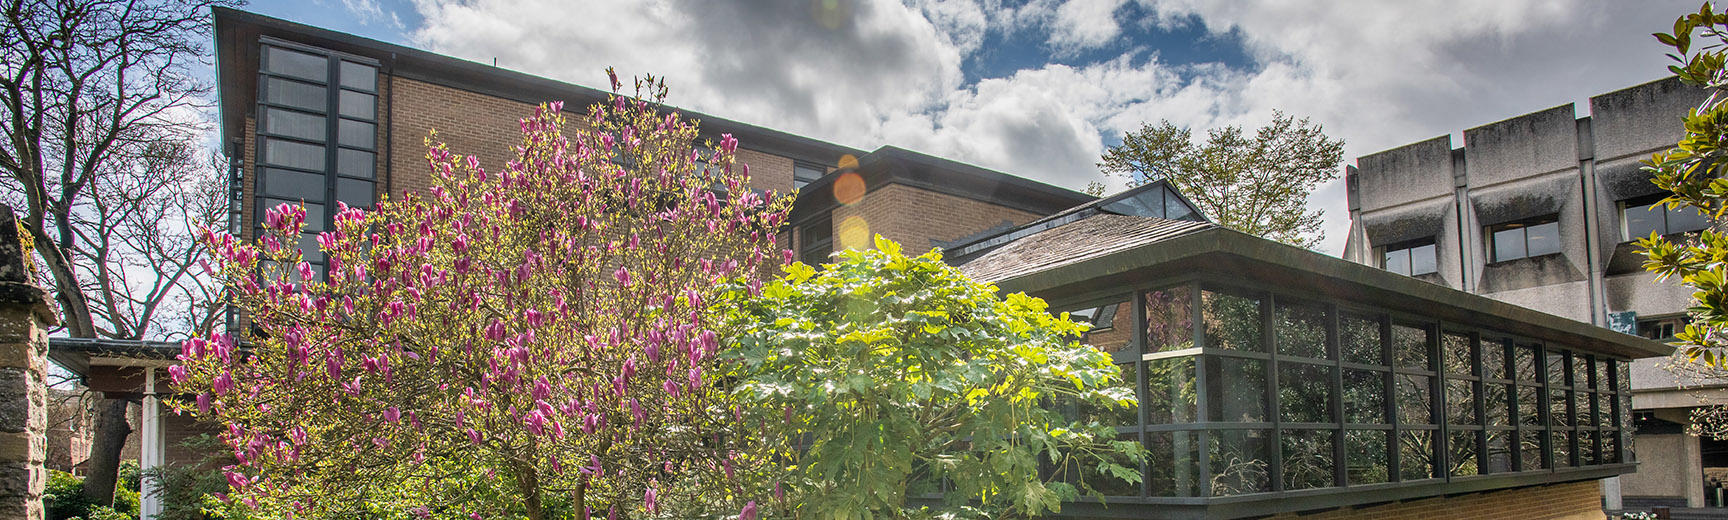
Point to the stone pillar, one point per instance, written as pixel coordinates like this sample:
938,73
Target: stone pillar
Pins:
25,316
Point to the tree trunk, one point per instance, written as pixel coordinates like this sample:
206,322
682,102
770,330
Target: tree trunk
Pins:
104,464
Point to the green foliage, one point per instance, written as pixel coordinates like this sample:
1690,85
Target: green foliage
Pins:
899,378
63,497
1693,172
1254,184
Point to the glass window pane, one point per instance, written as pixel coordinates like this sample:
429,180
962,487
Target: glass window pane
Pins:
1531,448
1592,410
1461,402
1498,458
357,193
314,212
1232,321
297,64
1305,392
1497,403
1301,330
1462,449
355,163
355,75
1624,368
295,94
1581,372
1560,408
1423,260
356,134
1364,396
1509,244
1525,365
1111,326
293,154
1414,398
1397,261
1169,322
1684,219
1174,208
1170,391
1237,388
1410,345
358,105
1366,451
1628,445
1556,368
1610,447
1307,459
1144,204
309,249
1493,352
290,184
1529,406
294,124
1601,382
1455,353
1561,444
1625,409
1415,454
1240,464
1359,339
1643,220
1174,460
1542,239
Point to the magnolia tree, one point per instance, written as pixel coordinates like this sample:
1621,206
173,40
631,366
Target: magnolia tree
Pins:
535,341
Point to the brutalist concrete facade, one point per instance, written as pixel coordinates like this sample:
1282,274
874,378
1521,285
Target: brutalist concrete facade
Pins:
1548,164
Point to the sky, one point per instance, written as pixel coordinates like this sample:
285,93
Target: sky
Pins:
1041,88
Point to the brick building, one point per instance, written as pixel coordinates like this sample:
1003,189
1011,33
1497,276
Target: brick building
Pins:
1541,210
314,116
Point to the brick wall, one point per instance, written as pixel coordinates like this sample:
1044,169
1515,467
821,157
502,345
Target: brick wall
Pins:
1569,501
471,123
767,171
914,217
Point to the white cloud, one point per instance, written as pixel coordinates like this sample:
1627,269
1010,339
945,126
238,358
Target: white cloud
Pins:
874,72
369,11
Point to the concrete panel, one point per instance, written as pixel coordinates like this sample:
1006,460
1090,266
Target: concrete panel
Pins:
1405,174
1642,293
1641,119
1560,194
1408,222
1530,144
1559,299
1667,468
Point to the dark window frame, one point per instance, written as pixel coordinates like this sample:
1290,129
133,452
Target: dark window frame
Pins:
1409,249
1523,227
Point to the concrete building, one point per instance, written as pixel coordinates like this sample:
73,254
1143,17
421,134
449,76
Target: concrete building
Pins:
1540,210
314,116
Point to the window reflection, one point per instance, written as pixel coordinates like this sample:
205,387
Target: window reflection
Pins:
1364,396
1170,391
1410,345
1236,388
1461,402
1531,445
1173,460
1455,352
1301,330
1414,398
1308,459
1461,450
1169,322
1498,457
1305,392
1239,462
1415,454
1359,339
1366,451
1232,321
1109,326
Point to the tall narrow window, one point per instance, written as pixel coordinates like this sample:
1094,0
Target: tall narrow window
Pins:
816,241
1412,258
317,134
1524,239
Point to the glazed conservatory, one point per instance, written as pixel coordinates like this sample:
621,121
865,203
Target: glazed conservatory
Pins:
1273,379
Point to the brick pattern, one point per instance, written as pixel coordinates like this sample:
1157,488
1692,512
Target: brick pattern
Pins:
1569,501
914,217
470,123
767,171
24,321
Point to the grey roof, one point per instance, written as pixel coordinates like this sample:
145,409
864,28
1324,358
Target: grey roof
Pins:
74,353
1074,242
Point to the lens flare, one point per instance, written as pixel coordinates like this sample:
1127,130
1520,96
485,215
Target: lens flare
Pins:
847,162
854,233
848,188
830,13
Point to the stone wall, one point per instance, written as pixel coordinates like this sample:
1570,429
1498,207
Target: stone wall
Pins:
24,319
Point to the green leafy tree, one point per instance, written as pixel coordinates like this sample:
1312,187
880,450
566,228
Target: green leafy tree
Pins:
1255,184
882,378
1693,172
